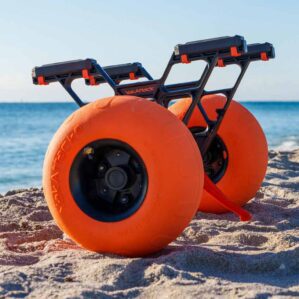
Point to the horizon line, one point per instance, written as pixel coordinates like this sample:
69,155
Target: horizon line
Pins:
68,102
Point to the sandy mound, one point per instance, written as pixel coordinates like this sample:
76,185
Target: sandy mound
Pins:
216,256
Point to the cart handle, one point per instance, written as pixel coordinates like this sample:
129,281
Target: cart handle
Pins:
222,46
120,72
76,69
254,52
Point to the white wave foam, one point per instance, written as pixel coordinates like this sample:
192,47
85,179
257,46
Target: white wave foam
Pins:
287,146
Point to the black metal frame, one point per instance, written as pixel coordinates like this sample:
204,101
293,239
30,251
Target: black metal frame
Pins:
215,52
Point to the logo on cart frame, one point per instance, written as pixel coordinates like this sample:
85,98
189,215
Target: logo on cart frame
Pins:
139,90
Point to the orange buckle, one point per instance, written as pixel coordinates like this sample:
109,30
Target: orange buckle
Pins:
92,81
41,80
132,76
85,74
185,59
234,52
220,63
264,56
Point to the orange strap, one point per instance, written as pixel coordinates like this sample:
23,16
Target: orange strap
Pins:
234,52
220,63
185,59
85,74
92,81
212,189
41,80
132,76
264,56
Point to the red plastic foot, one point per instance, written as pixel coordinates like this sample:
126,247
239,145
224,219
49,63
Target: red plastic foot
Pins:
211,188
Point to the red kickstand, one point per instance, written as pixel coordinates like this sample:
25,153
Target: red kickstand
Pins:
211,188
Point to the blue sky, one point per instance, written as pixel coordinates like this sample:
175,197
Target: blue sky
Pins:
39,32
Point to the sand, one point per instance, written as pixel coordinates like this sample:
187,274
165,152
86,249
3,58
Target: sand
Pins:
216,257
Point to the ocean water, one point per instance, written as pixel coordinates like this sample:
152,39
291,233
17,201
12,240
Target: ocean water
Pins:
27,128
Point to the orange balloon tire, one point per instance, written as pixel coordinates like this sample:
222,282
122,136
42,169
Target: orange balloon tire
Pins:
246,147
173,164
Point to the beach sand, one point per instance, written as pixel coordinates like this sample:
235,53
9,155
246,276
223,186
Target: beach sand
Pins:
216,256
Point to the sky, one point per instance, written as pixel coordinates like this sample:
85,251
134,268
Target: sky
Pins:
34,33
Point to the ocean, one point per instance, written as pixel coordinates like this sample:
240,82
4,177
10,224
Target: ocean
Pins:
27,128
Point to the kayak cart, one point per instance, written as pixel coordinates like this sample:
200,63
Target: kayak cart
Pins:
126,174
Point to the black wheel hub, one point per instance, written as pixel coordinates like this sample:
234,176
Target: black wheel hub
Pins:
116,178
108,180
215,159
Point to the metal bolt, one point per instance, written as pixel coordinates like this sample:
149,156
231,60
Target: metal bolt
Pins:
124,199
102,168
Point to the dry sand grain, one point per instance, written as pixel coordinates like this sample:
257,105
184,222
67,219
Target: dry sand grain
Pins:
216,256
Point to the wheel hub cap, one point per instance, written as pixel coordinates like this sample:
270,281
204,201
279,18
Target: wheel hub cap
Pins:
116,178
